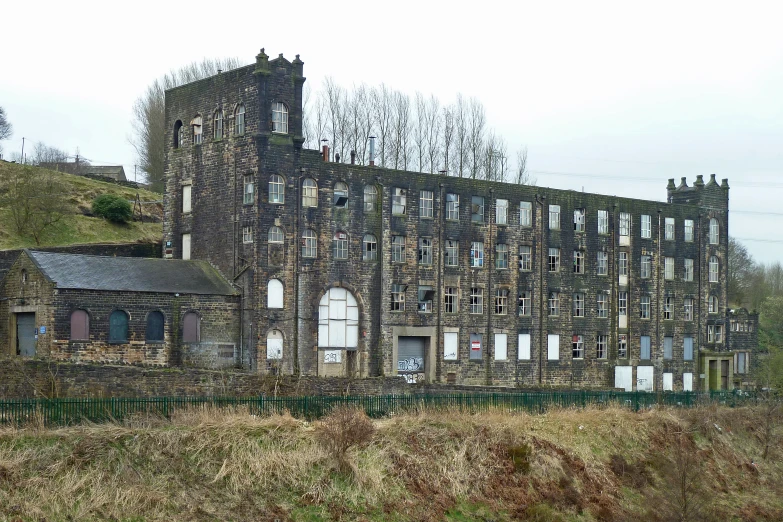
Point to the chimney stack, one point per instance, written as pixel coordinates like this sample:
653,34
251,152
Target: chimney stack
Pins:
325,152
372,151
337,157
353,157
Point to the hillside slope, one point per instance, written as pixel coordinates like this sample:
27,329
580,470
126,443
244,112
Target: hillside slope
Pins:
77,225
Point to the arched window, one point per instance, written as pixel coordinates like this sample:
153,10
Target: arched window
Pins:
338,320
191,328
713,305
118,327
217,131
369,248
340,194
274,294
276,189
309,244
196,124
714,231
309,193
714,268
279,118
370,198
178,134
80,325
340,245
154,333
275,235
274,345
239,120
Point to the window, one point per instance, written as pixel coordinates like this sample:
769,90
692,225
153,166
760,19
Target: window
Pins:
185,246
118,327
714,231
249,192
309,243
579,220
622,303
247,234
450,300
646,267
477,209
501,347
154,332
239,120
646,226
186,198
625,224
80,325
525,258
274,294
501,211
644,352
275,235
554,303
525,302
452,207
338,322
668,308
309,193
687,348
369,248
622,263
476,300
602,263
577,347
476,254
644,307
501,256
398,297
217,130
452,253
279,118
554,259
602,303
688,230
603,221
274,345
554,217
426,295
552,347
340,245
450,346
398,249
712,305
688,309
525,213
713,269
501,301
579,262
340,195
688,275
370,198
197,129
622,346
668,231
742,362
523,352
668,348
398,201
579,304
714,333
425,204
601,343
668,268
425,251
177,134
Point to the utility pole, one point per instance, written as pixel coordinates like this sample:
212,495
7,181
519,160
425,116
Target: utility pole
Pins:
134,173
23,150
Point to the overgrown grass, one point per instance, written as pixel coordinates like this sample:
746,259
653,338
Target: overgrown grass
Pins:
207,464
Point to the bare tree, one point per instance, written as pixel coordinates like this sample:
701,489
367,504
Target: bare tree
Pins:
420,131
493,159
434,124
36,199
401,116
42,153
382,109
476,123
310,139
448,136
522,176
6,129
462,141
335,98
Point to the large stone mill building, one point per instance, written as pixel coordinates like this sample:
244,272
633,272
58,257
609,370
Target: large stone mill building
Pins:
359,270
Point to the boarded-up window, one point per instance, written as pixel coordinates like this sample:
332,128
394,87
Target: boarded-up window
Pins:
154,327
186,203
553,347
668,344
524,346
475,347
623,377
338,320
687,348
645,347
274,297
644,378
185,246
501,347
80,325
687,381
191,328
668,382
274,345
118,327
450,346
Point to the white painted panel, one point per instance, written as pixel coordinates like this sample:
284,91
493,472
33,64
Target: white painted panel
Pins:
623,377
687,382
274,297
644,378
622,322
185,246
351,336
274,348
524,346
625,240
338,293
501,347
323,314
668,382
324,300
323,335
450,346
336,333
353,313
333,356
186,191
553,347
623,280
337,310
351,299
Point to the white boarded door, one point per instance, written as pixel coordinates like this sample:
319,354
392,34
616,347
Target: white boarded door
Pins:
623,377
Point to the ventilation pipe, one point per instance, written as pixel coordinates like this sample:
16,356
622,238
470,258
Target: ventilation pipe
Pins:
325,152
372,151
353,157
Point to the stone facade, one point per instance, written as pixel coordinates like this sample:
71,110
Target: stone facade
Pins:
653,299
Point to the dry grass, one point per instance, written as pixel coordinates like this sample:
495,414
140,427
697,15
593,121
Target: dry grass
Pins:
208,464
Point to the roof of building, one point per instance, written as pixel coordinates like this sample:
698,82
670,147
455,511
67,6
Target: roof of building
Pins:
131,274
106,170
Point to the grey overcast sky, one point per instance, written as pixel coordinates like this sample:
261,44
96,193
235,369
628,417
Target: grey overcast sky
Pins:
609,97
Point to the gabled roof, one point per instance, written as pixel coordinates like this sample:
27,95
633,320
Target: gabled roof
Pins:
131,274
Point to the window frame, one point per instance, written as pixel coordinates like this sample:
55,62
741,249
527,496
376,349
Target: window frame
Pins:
340,243
554,259
525,258
687,306
646,226
369,254
85,326
112,337
477,209
624,226
554,217
340,190
450,300
249,189
645,267
425,253
501,256
476,300
276,195
501,301
427,303
601,346
451,255
668,229
577,346
602,263
714,269
602,305
247,234
554,304
370,198
579,262
426,204
714,232
668,269
239,120
668,308
309,193
687,270
645,307
622,346
622,303
399,201
578,304
603,222
398,254
274,240
580,217
452,207
524,303
197,132
622,263
398,297
501,212
476,254
309,244
525,214
217,125
150,315
688,230
279,118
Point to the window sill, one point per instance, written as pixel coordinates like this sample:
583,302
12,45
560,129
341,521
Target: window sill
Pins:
274,202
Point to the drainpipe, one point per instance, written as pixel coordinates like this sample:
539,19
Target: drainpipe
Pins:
381,260
658,300
441,209
297,265
699,325
542,296
490,267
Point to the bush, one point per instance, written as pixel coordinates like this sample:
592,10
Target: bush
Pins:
343,429
114,208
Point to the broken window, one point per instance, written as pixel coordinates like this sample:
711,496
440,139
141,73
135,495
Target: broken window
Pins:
477,209
714,231
668,308
370,198
501,301
309,243
577,347
274,345
668,231
646,267
601,344
579,304
452,253
450,300
668,268
622,346
452,207
195,123
476,300
602,263
525,213
554,259
625,224
646,226
309,193
554,217
279,118
80,325
247,234
525,258
425,251
713,269
579,262
602,302
275,235
426,295
249,190
369,248
398,249
426,204
688,275
525,302
118,327
340,194
178,134
340,245
644,307
217,130
712,306
579,220
398,201
689,230
154,331
501,211
398,297
554,303
501,256
477,254
688,309
239,120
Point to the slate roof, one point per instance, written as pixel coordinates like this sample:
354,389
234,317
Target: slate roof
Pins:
132,274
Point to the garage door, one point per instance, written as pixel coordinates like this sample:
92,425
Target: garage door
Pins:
410,358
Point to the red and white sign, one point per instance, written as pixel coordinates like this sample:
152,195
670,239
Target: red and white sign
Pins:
475,346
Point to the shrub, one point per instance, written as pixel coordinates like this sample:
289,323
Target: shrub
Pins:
114,208
341,430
